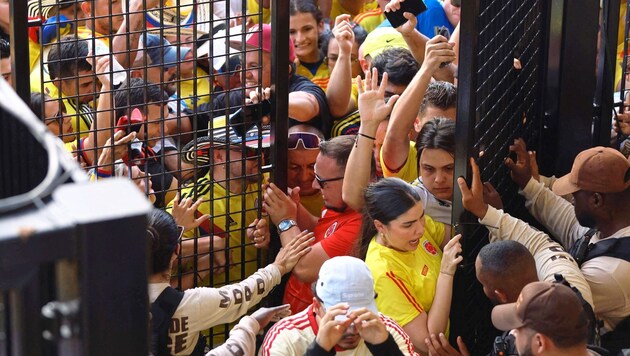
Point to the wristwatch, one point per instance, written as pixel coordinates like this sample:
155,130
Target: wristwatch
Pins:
286,224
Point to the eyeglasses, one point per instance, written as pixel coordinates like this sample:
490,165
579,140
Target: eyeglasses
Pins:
322,182
456,3
310,141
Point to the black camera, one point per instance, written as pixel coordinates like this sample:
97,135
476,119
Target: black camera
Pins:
504,345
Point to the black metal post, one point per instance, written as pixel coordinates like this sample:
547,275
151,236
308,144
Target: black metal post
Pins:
280,89
570,83
19,49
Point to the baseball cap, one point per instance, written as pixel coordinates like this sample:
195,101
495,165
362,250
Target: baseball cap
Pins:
552,309
380,39
221,52
172,19
346,279
160,50
598,169
252,40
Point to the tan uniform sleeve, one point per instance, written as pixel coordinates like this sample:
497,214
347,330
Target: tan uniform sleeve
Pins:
553,212
242,339
549,255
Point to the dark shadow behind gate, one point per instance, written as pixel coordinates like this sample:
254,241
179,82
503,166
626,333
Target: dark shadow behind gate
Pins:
520,75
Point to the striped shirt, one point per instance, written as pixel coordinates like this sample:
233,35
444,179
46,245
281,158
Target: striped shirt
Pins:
293,335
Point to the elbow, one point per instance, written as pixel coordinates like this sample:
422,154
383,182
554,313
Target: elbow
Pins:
354,201
337,111
304,274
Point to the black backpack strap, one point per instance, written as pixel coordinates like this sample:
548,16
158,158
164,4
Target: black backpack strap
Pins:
593,322
610,247
579,249
162,311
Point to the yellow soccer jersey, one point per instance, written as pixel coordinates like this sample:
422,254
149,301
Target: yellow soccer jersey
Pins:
33,54
187,90
405,282
253,11
313,203
371,19
230,214
336,8
321,76
80,122
409,171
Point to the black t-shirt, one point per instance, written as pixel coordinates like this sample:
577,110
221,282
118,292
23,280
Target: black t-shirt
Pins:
296,83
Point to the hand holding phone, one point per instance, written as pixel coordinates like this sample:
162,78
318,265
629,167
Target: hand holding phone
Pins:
396,8
444,32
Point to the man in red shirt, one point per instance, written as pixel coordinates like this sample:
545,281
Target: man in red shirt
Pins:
335,230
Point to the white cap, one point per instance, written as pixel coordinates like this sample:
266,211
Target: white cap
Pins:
346,279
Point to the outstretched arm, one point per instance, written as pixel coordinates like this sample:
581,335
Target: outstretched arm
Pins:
373,109
339,91
396,144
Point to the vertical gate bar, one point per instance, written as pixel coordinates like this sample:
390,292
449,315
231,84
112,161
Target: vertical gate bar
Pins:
19,35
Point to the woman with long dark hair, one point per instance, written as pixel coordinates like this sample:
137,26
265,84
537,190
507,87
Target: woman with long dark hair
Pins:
411,258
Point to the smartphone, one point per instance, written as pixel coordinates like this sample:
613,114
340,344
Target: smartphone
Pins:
443,31
248,116
397,19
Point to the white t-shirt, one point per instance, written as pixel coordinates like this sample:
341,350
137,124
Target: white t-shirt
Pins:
438,209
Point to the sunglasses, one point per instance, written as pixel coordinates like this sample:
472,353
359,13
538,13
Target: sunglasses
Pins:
322,182
310,141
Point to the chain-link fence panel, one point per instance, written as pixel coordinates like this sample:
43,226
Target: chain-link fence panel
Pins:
499,99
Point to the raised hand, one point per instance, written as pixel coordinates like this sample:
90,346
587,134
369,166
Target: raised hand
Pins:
258,232
370,326
408,27
110,153
289,255
472,198
437,51
491,196
330,330
372,105
521,170
451,256
184,212
278,205
343,34
265,315
103,69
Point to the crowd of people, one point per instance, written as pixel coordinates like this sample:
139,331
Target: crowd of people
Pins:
176,96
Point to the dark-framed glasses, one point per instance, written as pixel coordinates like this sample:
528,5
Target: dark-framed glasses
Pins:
322,182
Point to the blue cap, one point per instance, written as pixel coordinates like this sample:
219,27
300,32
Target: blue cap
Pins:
160,51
